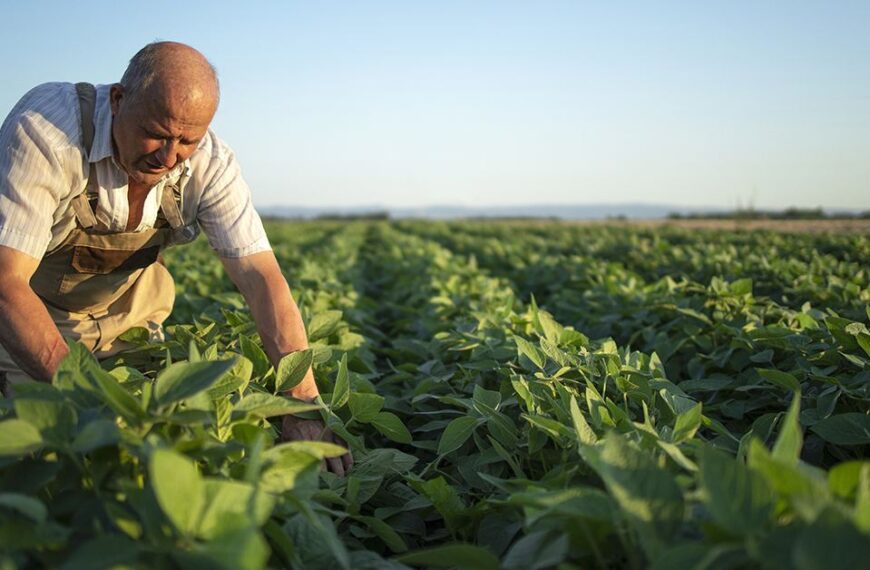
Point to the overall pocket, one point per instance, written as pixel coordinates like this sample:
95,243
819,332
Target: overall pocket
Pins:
100,261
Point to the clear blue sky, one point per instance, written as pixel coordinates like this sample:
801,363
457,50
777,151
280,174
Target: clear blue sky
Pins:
413,103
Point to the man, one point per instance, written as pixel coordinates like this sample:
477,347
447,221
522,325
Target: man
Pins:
94,182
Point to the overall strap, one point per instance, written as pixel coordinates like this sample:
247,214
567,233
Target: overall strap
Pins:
170,208
169,204
87,96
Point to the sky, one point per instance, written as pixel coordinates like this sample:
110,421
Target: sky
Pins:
728,104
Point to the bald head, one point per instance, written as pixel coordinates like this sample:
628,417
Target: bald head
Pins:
171,71
161,109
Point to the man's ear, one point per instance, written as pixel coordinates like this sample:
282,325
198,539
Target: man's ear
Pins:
116,93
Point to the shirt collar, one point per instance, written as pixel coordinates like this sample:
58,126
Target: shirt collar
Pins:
102,147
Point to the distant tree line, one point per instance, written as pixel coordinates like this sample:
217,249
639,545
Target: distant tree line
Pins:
377,215
787,214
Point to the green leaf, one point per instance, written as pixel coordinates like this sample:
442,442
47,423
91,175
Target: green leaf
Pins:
227,384
54,419
365,407
107,551
521,387
648,495
96,434
780,378
460,556
537,550
27,506
831,541
585,433
687,424
243,367
318,449
844,478
741,287
253,352
193,354
281,544
185,379
739,500
178,487
804,488
317,543
292,369
486,399
790,439
341,392
239,549
385,532
844,429
126,374
18,437
288,469
230,505
683,555
136,335
117,397
392,427
445,499
455,434
323,324
265,405
552,331
554,428
525,348
502,428
864,342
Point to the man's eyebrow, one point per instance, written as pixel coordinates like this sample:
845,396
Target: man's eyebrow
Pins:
158,131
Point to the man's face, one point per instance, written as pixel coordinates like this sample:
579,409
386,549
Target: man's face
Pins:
156,130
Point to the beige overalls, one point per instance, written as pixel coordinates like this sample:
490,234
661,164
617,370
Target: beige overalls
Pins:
98,285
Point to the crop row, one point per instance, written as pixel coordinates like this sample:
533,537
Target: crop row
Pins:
670,403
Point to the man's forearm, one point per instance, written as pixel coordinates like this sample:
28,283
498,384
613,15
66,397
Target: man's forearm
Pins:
279,323
28,333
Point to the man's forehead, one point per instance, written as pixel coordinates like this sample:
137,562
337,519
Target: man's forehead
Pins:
177,108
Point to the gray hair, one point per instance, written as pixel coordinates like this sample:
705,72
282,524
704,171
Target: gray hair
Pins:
145,67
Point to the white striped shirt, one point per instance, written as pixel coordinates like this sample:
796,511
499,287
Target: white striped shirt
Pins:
43,165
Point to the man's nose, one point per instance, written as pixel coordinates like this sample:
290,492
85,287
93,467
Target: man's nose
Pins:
168,153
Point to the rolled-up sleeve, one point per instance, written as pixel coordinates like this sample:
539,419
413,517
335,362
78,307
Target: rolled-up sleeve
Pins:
35,149
226,210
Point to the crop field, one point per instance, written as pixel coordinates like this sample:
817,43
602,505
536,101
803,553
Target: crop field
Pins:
516,396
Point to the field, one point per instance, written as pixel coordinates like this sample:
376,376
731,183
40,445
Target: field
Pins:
517,396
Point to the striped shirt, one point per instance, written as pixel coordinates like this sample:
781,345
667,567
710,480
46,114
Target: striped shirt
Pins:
44,165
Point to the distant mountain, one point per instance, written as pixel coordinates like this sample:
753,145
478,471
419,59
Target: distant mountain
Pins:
444,212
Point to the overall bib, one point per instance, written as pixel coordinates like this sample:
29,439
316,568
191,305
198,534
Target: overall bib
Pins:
97,285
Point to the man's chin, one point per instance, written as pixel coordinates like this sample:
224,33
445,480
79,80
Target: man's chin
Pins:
147,178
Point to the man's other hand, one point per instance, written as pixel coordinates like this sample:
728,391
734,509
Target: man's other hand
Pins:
299,429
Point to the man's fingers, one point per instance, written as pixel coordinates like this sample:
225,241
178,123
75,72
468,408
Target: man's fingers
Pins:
346,460
294,430
335,466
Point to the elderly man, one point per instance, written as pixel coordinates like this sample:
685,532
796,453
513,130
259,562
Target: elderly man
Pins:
94,183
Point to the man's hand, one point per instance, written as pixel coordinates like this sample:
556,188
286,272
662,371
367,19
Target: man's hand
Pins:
280,326
296,429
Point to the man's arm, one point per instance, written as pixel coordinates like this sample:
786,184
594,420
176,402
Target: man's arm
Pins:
26,329
279,323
